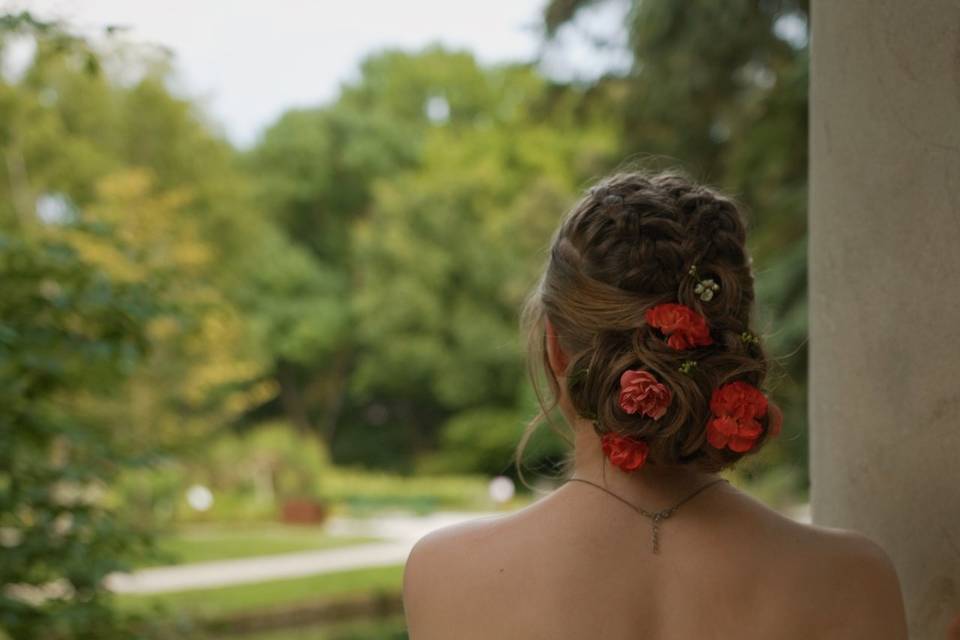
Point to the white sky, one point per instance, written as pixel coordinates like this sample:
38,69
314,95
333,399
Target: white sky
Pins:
248,62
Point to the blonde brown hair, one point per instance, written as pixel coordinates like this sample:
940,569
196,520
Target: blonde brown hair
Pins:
626,246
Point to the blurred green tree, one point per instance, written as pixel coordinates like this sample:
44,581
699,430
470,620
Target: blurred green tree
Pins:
426,190
68,331
447,253
144,296
121,150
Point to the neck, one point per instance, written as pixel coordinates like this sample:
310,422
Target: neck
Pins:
652,486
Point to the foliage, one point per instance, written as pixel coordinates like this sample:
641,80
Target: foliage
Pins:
272,461
448,250
122,150
484,440
357,273
361,490
249,474
481,439
120,334
67,331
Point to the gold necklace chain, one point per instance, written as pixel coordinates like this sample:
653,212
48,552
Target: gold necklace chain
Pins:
655,517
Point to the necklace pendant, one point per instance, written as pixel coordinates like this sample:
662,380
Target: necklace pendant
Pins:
657,517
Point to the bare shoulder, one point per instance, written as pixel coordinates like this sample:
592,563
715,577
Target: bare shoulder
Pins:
434,576
830,583
448,543
434,552
856,585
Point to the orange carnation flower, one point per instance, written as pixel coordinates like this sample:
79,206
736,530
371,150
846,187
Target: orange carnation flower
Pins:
685,327
624,452
736,407
727,431
641,393
738,399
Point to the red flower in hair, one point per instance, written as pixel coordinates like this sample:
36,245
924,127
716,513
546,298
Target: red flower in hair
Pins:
727,431
641,393
686,327
736,407
738,399
624,452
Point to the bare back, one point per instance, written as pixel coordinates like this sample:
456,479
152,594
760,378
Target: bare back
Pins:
578,564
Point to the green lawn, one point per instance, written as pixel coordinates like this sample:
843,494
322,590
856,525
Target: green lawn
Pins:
392,628
215,603
217,542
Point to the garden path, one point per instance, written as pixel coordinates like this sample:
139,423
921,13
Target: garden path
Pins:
399,533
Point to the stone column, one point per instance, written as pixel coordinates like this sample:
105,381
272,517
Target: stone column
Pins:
885,288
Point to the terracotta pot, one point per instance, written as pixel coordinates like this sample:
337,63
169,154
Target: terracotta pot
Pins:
303,511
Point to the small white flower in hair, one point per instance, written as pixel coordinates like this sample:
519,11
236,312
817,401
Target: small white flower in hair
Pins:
705,289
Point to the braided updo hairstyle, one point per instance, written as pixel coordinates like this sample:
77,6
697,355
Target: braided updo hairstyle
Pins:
627,245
